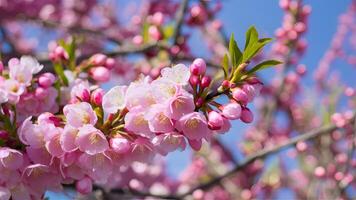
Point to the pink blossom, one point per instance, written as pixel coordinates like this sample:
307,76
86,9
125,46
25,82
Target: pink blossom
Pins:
67,138
101,74
13,89
11,158
158,121
232,111
194,126
180,105
178,74
246,115
215,120
91,140
142,150
114,99
79,114
120,144
3,96
5,194
169,142
84,186
135,121
99,167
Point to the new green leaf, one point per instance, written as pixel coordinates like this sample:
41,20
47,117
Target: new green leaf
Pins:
263,65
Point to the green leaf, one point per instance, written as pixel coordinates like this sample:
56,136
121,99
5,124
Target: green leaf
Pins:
145,34
225,65
71,52
255,48
60,72
263,65
234,51
251,36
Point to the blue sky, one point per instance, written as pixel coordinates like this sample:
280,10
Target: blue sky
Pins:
237,16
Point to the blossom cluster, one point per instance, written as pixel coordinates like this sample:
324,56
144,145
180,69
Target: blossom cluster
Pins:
78,133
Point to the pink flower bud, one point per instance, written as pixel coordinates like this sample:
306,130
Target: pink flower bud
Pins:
199,102
157,19
194,80
319,172
240,95
246,115
232,111
84,186
41,92
98,59
138,39
215,120
154,33
301,146
205,81
46,80
97,97
4,135
101,74
110,63
85,95
225,84
60,53
198,67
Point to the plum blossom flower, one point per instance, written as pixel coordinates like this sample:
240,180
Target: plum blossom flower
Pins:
158,121
180,105
13,89
178,74
169,142
91,140
3,96
194,126
79,114
114,99
135,121
11,158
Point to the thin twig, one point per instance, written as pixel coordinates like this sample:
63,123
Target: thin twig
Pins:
179,20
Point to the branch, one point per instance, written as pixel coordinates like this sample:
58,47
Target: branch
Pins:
179,20
263,153
74,29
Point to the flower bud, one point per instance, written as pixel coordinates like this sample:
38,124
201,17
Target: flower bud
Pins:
240,95
215,120
138,39
154,33
246,115
194,80
46,80
60,53
198,67
232,111
84,186
4,135
157,19
199,102
110,63
97,97
101,74
319,172
225,84
41,93
205,81
98,59
85,95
